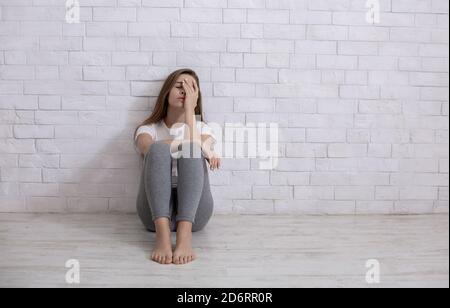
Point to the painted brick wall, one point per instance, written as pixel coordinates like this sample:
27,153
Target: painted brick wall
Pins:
362,107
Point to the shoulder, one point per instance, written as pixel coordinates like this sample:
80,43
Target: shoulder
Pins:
147,129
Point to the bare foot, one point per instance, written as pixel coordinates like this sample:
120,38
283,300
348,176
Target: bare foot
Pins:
183,252
162,252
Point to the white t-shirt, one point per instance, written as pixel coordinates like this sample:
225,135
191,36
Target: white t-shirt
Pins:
160,131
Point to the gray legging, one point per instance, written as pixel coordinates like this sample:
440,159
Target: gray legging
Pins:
191,200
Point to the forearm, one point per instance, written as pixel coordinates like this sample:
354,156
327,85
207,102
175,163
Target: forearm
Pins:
207,145
191,134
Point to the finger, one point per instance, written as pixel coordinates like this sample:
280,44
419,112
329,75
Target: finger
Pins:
184,84
188,85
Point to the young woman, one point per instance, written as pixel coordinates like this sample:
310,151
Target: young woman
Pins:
174,193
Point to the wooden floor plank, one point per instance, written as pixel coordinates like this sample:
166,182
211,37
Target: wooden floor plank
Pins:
233,250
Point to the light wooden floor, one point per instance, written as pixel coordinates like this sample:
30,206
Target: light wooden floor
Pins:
234,251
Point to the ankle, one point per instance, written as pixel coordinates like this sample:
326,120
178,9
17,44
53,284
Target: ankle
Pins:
184,227
162,226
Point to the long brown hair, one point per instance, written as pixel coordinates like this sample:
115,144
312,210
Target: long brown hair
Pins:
162,103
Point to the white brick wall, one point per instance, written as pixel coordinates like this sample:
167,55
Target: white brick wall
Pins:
362,109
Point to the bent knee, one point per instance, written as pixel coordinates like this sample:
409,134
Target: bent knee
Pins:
158,148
